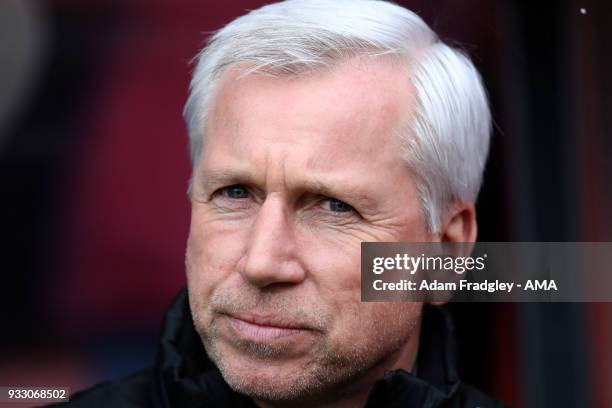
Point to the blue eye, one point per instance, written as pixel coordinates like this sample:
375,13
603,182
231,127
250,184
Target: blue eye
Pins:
334,205
237,192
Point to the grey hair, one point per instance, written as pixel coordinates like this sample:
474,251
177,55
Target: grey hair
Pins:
446,143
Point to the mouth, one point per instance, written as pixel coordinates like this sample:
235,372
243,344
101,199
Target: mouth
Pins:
263,329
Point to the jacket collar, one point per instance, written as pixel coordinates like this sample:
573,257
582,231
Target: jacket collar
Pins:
185,376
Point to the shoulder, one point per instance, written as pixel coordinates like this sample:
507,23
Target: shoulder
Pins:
131,391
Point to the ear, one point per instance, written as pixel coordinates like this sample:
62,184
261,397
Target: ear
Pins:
459,224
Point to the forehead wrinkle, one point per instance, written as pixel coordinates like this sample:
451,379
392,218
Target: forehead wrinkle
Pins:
345,142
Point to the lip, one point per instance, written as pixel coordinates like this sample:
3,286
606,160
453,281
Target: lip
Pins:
263,328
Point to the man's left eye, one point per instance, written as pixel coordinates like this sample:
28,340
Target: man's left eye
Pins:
334,205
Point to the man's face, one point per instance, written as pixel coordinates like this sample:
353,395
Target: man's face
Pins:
294,175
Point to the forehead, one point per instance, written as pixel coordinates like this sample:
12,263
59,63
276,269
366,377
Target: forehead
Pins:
346,115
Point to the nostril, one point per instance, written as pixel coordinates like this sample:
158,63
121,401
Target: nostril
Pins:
265,269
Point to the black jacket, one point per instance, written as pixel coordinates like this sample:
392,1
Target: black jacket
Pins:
183,376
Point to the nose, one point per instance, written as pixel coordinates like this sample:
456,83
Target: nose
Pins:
271,256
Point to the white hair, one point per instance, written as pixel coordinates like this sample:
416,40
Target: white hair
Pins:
447,141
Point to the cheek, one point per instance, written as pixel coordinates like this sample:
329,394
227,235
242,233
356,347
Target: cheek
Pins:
334,268
377,328
212,253
358,327
331,251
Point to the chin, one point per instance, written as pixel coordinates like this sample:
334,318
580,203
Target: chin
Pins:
262,381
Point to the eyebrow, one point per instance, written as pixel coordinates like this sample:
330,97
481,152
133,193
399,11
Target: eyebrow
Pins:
213,179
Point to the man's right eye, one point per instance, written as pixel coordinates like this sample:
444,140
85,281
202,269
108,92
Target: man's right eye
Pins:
235,192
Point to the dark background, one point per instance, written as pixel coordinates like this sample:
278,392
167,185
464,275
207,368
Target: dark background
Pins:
94,170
